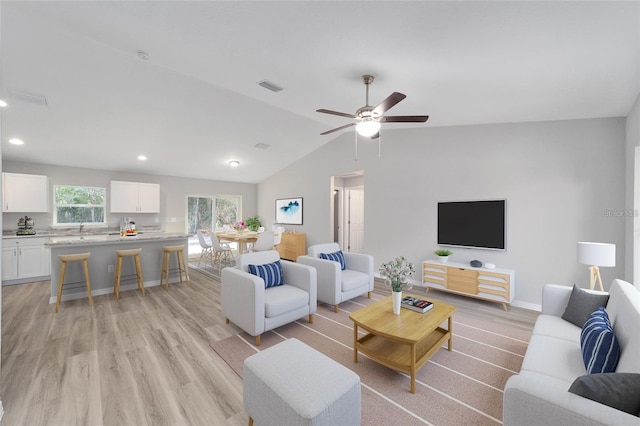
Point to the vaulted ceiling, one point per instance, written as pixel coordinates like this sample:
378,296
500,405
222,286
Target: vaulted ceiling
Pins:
195,104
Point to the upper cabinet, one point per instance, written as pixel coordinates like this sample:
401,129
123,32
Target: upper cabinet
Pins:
25,193
135,197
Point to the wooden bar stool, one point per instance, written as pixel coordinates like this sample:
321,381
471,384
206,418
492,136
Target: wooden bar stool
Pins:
166,263
64,258
136,256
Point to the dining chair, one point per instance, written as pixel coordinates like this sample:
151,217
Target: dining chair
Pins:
264,242
207,248
221,252
277,235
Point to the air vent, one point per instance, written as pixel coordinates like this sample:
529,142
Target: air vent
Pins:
271,86
262,146
27,97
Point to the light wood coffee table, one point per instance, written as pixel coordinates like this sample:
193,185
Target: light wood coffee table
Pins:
403,342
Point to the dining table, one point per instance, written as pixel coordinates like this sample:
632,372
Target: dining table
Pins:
242,238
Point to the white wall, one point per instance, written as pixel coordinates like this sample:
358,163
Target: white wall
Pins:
558,177
173,192
631,211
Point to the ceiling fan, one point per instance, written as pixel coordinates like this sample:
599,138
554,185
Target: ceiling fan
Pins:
368,118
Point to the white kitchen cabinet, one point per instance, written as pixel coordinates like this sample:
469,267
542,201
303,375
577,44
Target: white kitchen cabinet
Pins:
25,193
25,257
135,197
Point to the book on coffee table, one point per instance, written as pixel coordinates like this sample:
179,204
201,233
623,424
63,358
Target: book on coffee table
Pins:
415,304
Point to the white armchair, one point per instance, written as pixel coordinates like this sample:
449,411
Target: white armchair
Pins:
256,309
334,284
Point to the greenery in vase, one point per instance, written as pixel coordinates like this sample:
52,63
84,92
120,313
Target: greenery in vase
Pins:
397,273
253,223
443,252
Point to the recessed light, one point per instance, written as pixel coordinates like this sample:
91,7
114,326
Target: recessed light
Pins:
234,163
2,103
16,141
142,157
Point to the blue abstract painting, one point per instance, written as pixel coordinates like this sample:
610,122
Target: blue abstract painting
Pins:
289,211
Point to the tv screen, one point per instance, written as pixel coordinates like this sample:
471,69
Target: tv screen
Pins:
477,224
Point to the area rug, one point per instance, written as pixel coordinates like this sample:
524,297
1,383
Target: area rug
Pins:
462,387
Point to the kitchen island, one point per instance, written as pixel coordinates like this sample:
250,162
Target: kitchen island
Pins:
102,262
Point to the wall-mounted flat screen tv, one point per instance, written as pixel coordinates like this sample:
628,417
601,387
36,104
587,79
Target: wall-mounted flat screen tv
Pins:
476,224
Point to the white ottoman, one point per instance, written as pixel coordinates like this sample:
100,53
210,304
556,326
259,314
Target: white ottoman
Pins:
293,384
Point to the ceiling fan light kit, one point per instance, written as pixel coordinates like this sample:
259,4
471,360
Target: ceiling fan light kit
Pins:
368,127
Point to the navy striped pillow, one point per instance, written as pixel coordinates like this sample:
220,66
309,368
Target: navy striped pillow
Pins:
271,273
600,348
336,257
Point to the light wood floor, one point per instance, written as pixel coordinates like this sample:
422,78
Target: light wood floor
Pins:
140,361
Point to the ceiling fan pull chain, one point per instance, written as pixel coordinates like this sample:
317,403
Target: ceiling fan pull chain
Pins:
356,145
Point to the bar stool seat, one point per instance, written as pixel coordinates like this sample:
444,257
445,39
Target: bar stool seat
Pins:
166,263
136,256
64,258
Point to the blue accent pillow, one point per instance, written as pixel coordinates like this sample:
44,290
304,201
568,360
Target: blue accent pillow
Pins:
600,348
271,273
336,257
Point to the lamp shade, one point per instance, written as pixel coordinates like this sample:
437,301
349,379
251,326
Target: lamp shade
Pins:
597,254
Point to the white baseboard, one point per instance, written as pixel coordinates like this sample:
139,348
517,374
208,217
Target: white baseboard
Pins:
527,305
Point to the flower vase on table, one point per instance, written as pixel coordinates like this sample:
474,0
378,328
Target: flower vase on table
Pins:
397,298
396,274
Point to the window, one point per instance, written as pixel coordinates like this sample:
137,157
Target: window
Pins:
210,213
228,210
78,204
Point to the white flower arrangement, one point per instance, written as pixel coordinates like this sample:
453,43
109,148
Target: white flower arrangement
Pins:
397,273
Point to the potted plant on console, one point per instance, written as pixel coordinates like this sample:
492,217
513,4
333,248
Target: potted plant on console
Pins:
443,255
396,274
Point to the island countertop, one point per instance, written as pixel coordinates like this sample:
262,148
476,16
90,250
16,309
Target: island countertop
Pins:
90,239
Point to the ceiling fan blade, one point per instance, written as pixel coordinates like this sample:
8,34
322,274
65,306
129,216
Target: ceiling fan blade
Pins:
404,119
388,103
341,114
338,128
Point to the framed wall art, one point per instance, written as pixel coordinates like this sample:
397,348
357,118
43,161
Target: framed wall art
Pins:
289,211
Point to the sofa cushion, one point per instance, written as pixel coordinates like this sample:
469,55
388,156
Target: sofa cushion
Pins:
554,326
600,349
618,390
352,280
582,304
271,273
336,257
554,357
624,312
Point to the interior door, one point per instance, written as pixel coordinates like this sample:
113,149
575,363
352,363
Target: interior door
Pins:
355,220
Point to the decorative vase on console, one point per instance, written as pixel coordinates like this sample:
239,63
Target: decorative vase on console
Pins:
396,274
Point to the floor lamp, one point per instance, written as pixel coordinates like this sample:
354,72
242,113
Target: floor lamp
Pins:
596,255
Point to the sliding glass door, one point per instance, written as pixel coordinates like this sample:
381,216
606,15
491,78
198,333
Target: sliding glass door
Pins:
210,213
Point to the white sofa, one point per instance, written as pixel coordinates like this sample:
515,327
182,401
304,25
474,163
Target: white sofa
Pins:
539,394
334,284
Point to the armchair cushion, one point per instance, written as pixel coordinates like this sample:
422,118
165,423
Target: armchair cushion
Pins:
353,279
336,257
271,273
282,299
